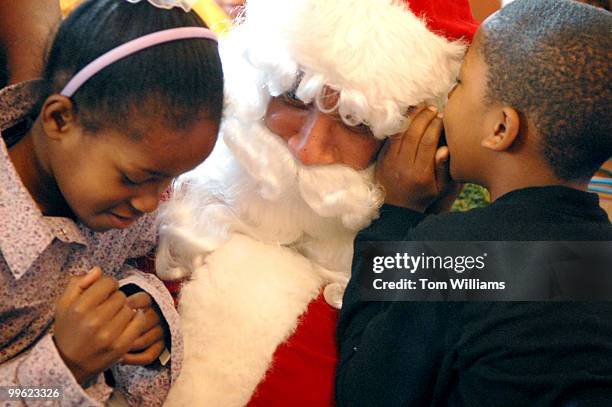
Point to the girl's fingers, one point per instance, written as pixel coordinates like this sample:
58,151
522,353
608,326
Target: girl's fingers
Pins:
119,324
96,294
146,357
109,308
88,279
132,331
139,300
153,335
76,286
150,318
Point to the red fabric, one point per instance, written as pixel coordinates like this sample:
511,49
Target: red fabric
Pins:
451,19
302,372
147,264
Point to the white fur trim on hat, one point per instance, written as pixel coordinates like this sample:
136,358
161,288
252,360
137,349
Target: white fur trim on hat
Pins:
378,54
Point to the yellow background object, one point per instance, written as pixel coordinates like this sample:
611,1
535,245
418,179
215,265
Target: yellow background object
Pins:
68,5
213,15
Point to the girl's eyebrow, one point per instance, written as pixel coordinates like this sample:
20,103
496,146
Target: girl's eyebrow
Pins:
151,172
157,173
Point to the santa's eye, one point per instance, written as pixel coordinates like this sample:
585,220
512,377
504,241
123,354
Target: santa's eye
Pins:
291,99
362,128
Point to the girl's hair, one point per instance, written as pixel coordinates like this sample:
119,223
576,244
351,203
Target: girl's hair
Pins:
180,81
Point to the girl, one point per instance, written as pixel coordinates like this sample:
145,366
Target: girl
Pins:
131,97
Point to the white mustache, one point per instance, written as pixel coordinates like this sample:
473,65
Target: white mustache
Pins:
329,190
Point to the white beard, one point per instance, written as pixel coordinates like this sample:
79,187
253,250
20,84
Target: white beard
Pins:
259,235
252,185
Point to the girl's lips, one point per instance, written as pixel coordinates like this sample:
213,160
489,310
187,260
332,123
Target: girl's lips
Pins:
121,222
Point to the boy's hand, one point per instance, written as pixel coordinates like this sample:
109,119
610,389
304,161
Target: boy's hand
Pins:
411,168
94,326
151,343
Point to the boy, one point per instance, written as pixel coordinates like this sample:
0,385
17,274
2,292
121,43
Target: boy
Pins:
530,120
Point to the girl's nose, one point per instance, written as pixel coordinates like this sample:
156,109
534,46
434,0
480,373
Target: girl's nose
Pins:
147,200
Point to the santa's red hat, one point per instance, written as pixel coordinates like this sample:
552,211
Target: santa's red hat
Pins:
450,18
381,55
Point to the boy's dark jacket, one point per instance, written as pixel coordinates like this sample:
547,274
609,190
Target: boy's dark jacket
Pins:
480,354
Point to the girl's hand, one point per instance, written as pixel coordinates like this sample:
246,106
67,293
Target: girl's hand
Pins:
411,167
151,343
94,327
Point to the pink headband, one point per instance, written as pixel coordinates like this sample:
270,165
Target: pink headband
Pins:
130,48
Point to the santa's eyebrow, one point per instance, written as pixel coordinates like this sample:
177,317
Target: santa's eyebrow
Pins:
298,79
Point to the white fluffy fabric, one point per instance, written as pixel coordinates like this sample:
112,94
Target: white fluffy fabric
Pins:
234,313
259,235
380,56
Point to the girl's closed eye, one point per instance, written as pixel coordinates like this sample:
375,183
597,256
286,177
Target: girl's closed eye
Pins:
130,181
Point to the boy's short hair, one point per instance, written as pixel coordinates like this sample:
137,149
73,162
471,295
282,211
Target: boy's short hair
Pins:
550,60
598,3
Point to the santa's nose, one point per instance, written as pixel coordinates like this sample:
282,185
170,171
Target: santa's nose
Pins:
314,143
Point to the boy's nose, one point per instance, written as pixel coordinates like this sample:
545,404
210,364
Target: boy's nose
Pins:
313,144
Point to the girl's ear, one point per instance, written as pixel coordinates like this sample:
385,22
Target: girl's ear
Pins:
506,129
58,116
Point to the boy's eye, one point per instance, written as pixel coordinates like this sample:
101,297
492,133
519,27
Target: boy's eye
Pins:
292,100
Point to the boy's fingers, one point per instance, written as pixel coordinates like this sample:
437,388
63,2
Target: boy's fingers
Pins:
415,133
97,293
443,176
146,357
397,141
424,160
413,111
76,286
139,300
429,144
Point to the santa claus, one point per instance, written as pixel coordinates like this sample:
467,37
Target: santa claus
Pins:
262,232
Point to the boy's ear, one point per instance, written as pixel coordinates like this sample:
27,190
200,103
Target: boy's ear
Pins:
58,116
506,129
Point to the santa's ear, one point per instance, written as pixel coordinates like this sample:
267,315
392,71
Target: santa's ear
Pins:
57,116
505,129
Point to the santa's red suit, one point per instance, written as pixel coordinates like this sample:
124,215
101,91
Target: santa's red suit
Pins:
265,242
